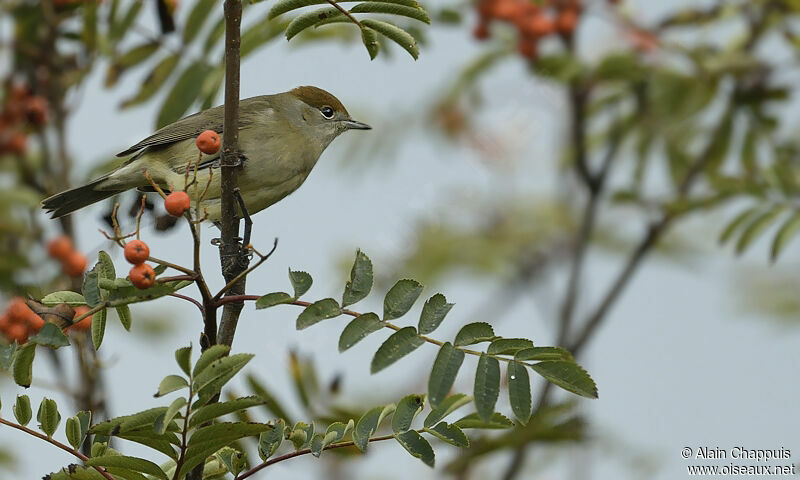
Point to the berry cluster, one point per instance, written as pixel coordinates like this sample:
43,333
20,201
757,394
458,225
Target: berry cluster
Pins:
533,21
72,261
19,321
142,275
21,112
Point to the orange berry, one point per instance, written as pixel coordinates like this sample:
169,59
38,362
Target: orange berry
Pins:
509,10
142,276
538,25
18,311
60,247
83,324
481,31
35,322
208,142
74,264
177,203
17,332
567,20
136,252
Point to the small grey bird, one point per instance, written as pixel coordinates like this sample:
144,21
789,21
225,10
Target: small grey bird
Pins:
281,137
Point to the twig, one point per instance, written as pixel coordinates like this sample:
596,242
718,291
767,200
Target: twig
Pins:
232,282
189,299
56,443
345,12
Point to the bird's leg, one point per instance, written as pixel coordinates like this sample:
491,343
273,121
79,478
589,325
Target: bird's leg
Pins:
248,222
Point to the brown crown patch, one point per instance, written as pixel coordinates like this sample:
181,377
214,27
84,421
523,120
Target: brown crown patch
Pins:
318,98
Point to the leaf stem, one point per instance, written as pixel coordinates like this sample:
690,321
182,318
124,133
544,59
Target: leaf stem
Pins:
345,12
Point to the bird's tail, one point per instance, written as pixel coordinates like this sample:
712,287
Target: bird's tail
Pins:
67,202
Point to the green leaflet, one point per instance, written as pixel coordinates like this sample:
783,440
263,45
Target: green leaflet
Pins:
433,313
569,376
398,345
417,446
473,333
407,409
317,312
301,282
360,283
443,374
358,329
400,298
394,33
519,391
487,386
450,434
445,408
368,423
48,416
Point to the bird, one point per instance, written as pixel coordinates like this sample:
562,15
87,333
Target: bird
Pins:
281,138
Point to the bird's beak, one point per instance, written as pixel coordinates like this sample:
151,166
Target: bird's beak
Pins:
355,125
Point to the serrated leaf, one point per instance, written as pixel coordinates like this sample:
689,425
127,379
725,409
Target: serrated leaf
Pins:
127,423
22,410
519,391
392,9
443,374
301,282
171,383
498,421
216,410
407,409
50,336
77,427
130,463
755,227
309,19
270,440
394,33
737,222
90,288
450,434
22,368
72,299
433,312
508,346
317,312
569,376
183,94
786,232
360,283
211,380
153,81
487,386
272,299
207,440
235,461
417,446
48,416
211,354
473,333
543,353
183,357
369,38
201,10
358,329
401,298
163,421
368,424
99,327
398,345
446,407
124,314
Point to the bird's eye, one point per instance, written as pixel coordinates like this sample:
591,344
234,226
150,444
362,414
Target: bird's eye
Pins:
327,111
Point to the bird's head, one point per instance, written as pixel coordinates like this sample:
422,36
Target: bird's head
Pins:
322,114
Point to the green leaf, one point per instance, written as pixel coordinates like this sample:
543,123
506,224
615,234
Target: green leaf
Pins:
48,416
543,353
569,376
398,345
163,421
301,282
508,346
407,409
216,410
129,59
270,402
358,329
498,421
171,383
336,431
124,314
443,374
76,428
519,391
400,298
284,6
786,232
368,424
153,81
211,380
756,227
208,357
50,336
234,460
473,333
98,327
7,355
207,440
360,283
487,386
392,9
183,94
120,26
301,434
433,312
183,357
90,289
22,369
317,312
22,410
270,440
370,39
127,423
394,33
130,463
316,444
272,299
201,10
450,434
445,408
309,19
417,446
70,298
737,222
